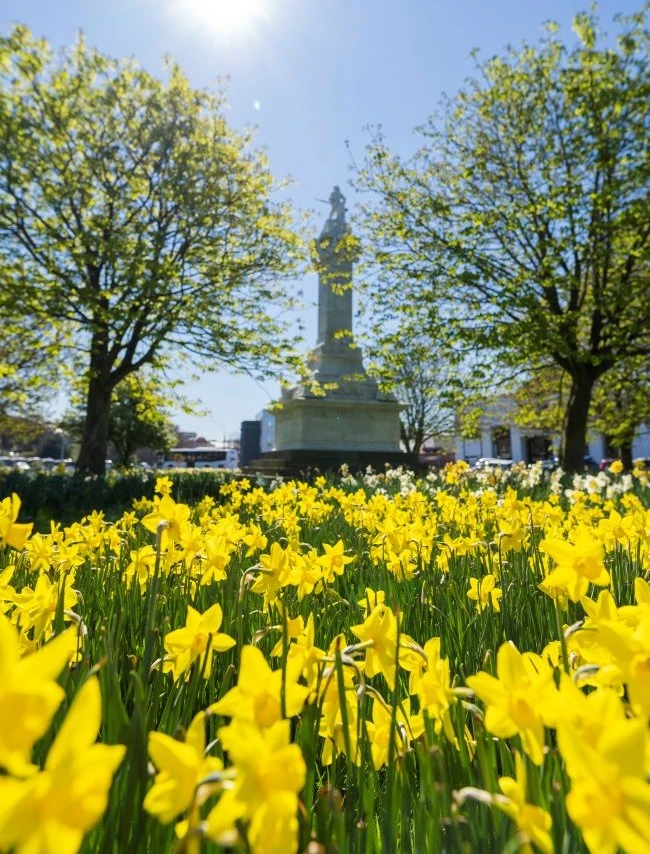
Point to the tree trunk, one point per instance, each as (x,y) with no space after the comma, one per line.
(574,440)
(626,455)
(94,441)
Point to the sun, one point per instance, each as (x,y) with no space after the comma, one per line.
(225,19)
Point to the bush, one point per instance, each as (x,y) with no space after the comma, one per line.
(65,498)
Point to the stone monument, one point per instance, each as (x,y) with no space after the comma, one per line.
(342,412)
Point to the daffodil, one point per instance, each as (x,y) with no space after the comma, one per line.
(199,640)
(339,720)
(141,566)
(50,811)
(29,694)
(630,650)
(255,540)
(7,592)
(609,799)
(404,729)
(432,684)
(301,647)
(181,783)
(215,559)
(371,599)
(163,485)
(175,516)
(519,700)
(36,609)
(577,563)
(274,573)
(259,691)
(378,633)
(533,823)
(334,560)
(270,771)
(484,592)
(13,533)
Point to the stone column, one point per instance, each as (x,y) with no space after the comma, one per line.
(335,356)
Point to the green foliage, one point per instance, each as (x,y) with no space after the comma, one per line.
(136,221)
(622,402)
(138,419)
(139,413)
(418,374)
(521,225)
(64,498)
(27,367)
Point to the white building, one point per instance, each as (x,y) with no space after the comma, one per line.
(499,436)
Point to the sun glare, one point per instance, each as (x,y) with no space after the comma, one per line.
(225,19)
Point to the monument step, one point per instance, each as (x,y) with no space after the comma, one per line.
(296,463)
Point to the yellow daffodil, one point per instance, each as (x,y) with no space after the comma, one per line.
(258,694)
(609,799)
(199,639)
(11,532)
(519,700)
(408,728)
(29,694)
(533,823)
(180,784)
(371,599)
(339,730)
(484,592)
(269,774)
(378,633)
(577,564)
(7,592)
(432,684)
(36,609)
(334,560)
(630,650)
(274,573)
(163,486)
(49,812)
(215,559)
(141,566)
(255,540)
(176,516)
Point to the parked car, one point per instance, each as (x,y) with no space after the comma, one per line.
(171,464)
(13,462)
(605,463)
(492,463)
(551,464)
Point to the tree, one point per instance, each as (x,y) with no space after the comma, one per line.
(135,219)
(622,405)
(27,376)
(525,217)
(138,418)
(422,380)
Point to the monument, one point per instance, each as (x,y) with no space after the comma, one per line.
(341,415)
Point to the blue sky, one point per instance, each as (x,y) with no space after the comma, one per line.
(310,74)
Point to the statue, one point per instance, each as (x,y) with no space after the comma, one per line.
(337,201)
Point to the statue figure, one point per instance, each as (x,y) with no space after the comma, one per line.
(337,201)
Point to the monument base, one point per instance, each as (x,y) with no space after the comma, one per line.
(307,463)
(338,424)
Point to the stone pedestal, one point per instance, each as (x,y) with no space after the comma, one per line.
(338,424)
(347,412)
